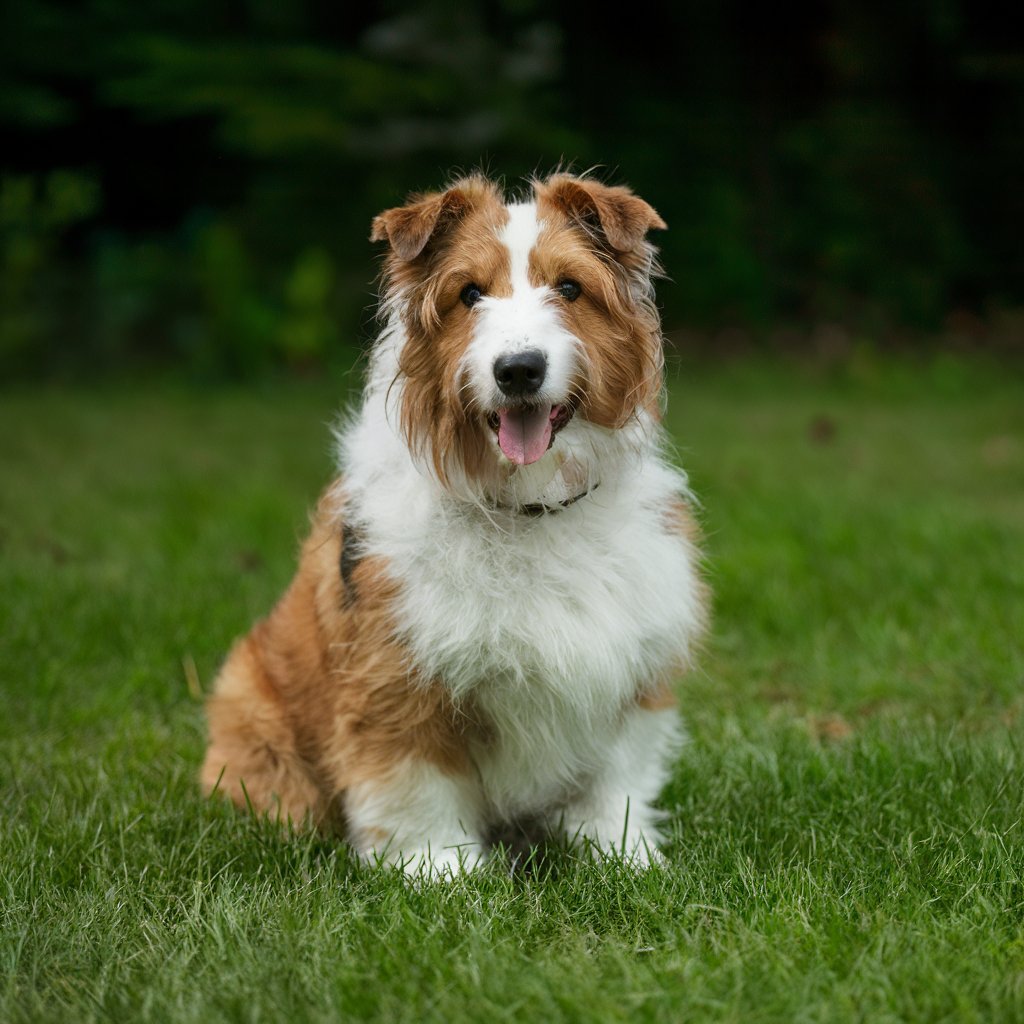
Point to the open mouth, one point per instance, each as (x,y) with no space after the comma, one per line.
(525,433)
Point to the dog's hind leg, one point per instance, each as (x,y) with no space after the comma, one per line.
(252,756)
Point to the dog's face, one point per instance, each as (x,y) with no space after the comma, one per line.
(521,320)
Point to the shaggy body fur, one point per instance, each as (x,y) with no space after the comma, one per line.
(483,630)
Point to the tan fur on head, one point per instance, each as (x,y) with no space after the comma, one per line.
(441,241)
(612,211)
(616,317)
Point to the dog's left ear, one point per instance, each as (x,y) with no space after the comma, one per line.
(622,217)
(409,228)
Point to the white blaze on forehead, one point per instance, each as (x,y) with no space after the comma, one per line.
(519,236)
(528,319)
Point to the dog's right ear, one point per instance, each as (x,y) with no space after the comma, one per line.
(612,212)
(409,228)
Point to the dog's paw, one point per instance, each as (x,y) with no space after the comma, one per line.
(441,864)
(636,850)
(642,855)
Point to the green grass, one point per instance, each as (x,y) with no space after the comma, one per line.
(847,837)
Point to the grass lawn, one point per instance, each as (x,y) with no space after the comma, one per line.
(847,834)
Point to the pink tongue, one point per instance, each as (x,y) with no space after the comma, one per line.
(524,434)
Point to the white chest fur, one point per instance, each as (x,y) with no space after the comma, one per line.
(551,623)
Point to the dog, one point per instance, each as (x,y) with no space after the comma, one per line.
(503,582)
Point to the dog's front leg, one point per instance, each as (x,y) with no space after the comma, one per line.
(615,815)
(418,816)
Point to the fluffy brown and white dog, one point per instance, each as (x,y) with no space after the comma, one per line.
(502,583)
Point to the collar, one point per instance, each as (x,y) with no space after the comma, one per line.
(538,508)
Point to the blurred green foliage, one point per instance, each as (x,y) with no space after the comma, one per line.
(35,213)
(190,184)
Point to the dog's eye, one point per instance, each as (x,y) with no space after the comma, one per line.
(471,294)
(569,290)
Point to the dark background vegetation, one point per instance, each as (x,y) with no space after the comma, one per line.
(188,185)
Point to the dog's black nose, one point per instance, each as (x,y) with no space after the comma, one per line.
(521,373)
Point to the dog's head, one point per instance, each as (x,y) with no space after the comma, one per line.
(522,321)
